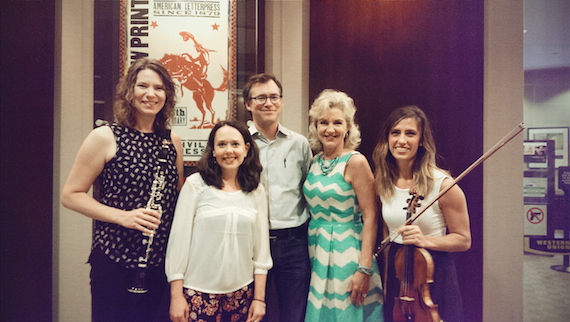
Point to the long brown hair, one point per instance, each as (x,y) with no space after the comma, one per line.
(425,161)
(123,108)
(249,172)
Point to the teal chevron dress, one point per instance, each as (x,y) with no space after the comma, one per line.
(334,247)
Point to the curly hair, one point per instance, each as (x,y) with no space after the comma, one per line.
(249,172)
(326,100)
(123,108)
(425,161)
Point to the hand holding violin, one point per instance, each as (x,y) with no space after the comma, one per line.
(412,235)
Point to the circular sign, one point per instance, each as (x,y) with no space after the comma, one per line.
(535,215)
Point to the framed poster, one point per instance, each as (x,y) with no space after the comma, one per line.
(196,41)
(560,137)
(539,154)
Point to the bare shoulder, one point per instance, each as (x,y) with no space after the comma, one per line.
(448,182)
(454,194)
(358,169)
(101,141)
(358,160)
(176,142)
(102,134)
(175,137)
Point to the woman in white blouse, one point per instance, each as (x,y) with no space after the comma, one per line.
(218,255)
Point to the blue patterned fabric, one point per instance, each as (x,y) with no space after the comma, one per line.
(334,247)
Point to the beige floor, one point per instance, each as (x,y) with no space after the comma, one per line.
(546,291)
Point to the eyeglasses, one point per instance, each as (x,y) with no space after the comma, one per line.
(262,99)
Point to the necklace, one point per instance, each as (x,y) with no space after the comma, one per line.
(327,166)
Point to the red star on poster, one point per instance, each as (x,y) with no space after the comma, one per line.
(215,26)
(153,24)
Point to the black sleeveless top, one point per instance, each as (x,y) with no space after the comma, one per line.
(125,183)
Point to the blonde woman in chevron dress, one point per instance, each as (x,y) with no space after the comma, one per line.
(345,281)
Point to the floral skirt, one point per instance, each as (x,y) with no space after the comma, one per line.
(230,307)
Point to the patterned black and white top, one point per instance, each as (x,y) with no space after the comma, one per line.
(125,183)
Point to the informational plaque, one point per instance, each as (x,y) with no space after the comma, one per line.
(195,40)
(564,179)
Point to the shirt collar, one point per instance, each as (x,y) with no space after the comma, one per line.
(281,131)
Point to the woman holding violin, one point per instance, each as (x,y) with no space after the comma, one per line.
(405,162)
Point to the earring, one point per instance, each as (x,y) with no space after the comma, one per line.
(345,135)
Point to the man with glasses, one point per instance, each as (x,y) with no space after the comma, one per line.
(286,158)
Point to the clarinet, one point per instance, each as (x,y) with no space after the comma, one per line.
(154,202)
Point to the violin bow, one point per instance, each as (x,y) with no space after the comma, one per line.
(514,132)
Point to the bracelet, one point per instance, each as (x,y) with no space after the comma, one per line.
(365,270)
(262,301)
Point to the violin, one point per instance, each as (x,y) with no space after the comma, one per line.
(514,132)
(414,269)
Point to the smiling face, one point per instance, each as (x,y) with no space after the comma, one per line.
(267,113)
(404,140)
(230,148)
(331,130)
(149,94)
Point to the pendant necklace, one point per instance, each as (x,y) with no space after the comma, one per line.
(327,166)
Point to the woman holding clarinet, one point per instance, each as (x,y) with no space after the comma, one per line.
(138,163)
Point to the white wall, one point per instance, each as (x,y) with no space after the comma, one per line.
(73,121)
(503,174)
(287,57)
(554,112)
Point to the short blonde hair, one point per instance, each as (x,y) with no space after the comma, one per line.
(326,100)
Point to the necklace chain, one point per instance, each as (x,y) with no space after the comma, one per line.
(326,168)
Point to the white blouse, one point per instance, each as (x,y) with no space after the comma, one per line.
(219,239)
(431,222)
